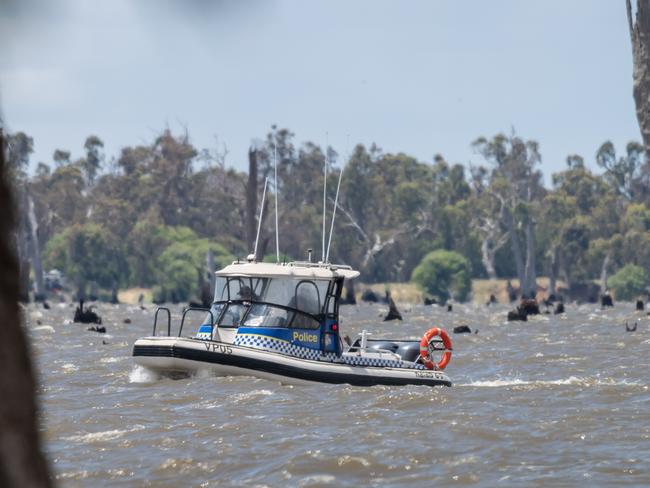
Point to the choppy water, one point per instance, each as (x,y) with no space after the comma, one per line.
(557,401)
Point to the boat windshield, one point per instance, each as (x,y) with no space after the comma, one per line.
(269,302)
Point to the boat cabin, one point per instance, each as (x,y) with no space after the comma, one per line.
(289,306)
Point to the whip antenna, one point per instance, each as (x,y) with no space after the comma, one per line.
(259,222)
(336,200)
(325,192)
(277,240)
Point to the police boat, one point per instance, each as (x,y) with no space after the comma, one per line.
(280,321)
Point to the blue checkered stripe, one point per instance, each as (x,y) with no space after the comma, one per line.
(379,363)
(204,333)
(276,345)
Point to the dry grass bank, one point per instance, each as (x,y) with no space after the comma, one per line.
(481,290)
(131,295)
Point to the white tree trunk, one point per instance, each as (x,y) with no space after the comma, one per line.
(487,258)
(39,289)
(530,272)
(553,272)
(604,273)
(516,250)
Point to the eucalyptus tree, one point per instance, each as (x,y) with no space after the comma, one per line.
(628,175)
(487,219)
(61,157)
(19,147)
(88,253)
(92,163)
(639,27)
(517,184)
(567,222)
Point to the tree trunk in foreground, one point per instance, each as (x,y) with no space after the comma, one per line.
(640,37)
(22,465)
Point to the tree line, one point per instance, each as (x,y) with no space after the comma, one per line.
(151,215)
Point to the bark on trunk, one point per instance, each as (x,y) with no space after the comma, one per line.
(21,462)
(487,258)
(251,200)
(640,37)
(35,248)
(604,273)
(516,250)
(531,272)
(350,296)
(553,273)
(564,273)
(23,281)
(114,290)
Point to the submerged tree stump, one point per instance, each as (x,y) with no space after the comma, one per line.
(606,300)
(86,315)
(393,313)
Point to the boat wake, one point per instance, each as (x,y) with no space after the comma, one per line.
(140,374)
(108,435)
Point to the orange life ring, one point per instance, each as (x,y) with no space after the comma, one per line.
(424,348)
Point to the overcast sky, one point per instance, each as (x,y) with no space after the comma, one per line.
(421,77)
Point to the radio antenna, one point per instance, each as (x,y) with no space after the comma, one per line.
(259,222)
(277,232)
(336,201)
(325,192)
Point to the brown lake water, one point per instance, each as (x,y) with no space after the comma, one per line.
(556,401)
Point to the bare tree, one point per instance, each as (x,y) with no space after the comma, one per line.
(21,462)
(516,184)
(493,240)
(640,37)
(373,244)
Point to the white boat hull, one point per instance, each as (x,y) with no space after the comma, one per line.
(175,355)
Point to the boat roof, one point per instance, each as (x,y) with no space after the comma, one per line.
(288,270)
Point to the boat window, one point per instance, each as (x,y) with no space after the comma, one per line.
(304,321)
(259,287)
(331,304)
(308,298)
(220,290)
(262,315)
(216,309)
(278,291)
(240,289)
(233,315)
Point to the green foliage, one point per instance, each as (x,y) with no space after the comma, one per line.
(629,282)
(444,274)
(87,253)
(637,217)
(179,268)
(155,211)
